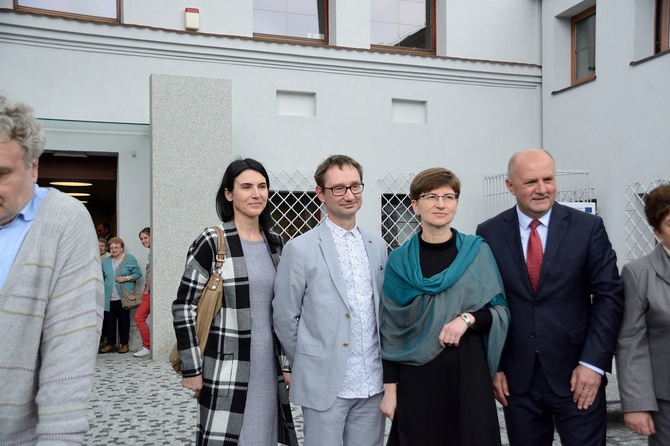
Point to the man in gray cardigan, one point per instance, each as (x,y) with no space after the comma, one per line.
(51,295)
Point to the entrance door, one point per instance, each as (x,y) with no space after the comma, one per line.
(96,175)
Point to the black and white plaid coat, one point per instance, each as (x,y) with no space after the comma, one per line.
(225,366)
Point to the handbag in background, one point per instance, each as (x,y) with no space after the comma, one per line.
(129,299)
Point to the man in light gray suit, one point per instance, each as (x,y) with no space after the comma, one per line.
(326,314)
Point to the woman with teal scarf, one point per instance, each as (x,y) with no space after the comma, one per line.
(444,324)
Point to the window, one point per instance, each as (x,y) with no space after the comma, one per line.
(584,46)
(662,35)
(99,9)
(291,18)
(403,24)
(399,223)
(294,212)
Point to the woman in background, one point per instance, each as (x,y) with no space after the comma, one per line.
(118,270)
(242,393)
(444,325)
(643,353)
(102,246)
(145,307)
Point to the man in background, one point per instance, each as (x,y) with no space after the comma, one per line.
(104,230)
(51,295)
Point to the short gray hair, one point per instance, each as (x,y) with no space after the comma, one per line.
(18,124)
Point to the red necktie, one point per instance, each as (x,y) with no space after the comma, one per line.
(534,255)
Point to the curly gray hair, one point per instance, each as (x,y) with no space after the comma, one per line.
(18,123)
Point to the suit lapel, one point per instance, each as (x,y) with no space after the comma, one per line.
(659,261)
(374,270)
(329,253)
(513,237)
(558,225)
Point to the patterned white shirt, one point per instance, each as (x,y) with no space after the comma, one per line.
(364,376)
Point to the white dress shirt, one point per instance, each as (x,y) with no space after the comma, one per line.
(364,375)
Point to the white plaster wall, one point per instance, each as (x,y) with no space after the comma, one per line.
(349,23)
(216,16)
(478,113)
(492,30)
(615,126)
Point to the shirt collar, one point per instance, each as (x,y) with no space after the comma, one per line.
(29,211)
(339,231)
(524,220)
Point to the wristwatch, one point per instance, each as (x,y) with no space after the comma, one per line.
(467,319)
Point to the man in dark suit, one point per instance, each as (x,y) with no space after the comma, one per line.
(565,312)
(104,230)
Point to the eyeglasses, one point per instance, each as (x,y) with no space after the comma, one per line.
(339,191)
(432,198)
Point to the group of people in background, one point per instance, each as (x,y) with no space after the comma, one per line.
(120,269)
(528,312)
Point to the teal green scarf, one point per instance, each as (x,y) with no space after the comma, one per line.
(403,280)
(416,308)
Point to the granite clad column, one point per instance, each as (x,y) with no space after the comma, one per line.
(191,145)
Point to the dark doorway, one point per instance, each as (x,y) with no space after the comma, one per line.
(100,171)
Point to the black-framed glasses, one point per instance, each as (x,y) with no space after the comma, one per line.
(339,191)
(434,198)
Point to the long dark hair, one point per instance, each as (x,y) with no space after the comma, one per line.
(224,208)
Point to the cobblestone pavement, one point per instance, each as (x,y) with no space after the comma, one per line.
(136,401)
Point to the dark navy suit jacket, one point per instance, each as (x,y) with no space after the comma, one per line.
(575,314)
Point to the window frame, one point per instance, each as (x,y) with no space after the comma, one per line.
(662,27)
(294,39)
(70,15)
(573,46)
(418,51)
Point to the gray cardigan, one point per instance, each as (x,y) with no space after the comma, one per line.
(643,355)
(50,320)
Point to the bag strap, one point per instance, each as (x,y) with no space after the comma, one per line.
(221,249)
(120,269)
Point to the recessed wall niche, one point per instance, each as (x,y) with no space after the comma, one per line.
(409,111)
(296,103)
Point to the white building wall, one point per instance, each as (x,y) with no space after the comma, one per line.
(493,30)
(477,112)
(615,126)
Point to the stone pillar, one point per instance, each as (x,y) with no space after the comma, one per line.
(191,146)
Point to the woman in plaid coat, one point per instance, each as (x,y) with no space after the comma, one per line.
(242,381)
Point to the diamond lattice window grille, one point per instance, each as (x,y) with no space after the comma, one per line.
(295,206)
(640,240)
(571,186)
(398,222)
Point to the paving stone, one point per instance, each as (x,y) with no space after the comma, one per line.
(136,401)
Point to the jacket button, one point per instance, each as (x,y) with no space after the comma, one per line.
(346,344)
(532,334)
(346,315)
